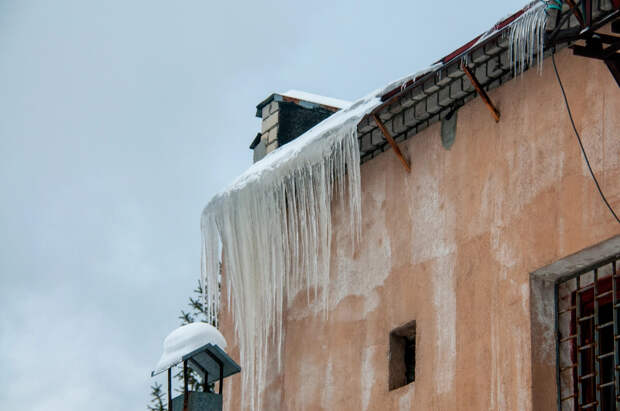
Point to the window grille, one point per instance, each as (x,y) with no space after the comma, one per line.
(587,309)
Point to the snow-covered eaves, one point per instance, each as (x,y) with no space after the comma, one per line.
(412,104)
(274,227)
(304,148)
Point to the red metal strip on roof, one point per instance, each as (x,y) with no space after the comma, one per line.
(395,91)
(459,51)
(297,101)
(498,26)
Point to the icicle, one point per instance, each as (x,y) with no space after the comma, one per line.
(527,34)
(274,226)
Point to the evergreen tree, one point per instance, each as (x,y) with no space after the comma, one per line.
(196,313)
(157,399)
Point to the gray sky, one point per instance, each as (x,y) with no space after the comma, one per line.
(118,121)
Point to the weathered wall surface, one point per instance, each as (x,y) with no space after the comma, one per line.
(451,245)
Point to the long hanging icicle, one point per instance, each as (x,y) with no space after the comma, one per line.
(527,35)
(274,228)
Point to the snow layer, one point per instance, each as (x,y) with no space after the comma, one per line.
(315,98)
(527,34)
(274,226)
(402,82)
(186,339)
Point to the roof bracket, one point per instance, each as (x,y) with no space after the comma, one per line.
(483,94)
(392,143)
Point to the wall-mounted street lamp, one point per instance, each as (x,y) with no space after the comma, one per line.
(198,346)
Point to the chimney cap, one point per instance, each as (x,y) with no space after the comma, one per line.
(304,99)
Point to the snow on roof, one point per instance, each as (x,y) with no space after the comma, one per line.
(304,148)
(315,98)
(406,80)
(186,339)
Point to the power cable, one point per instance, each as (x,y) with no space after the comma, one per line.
(583,151)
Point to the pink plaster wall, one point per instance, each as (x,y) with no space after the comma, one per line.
(451,245)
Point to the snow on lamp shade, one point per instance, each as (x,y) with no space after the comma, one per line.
(186,339)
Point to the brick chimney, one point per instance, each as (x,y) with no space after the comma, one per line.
(288,115)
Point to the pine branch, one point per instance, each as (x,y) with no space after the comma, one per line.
(197,306)
(186,318)
(198,289)
(157,400)
(193,381)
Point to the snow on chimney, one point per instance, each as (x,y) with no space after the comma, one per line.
(286,116)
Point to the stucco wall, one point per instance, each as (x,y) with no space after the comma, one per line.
(451,245)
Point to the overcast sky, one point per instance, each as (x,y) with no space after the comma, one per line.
(118,122)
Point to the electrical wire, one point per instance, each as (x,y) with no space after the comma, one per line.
(583,151)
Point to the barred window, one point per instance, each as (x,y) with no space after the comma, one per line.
(587,306)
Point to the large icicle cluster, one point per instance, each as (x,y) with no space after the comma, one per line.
(527,34)
(274,228)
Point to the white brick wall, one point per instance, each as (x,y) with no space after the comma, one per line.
(269,122)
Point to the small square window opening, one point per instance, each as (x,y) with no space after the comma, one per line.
(402,355)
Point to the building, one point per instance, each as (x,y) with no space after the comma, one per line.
(482,274)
